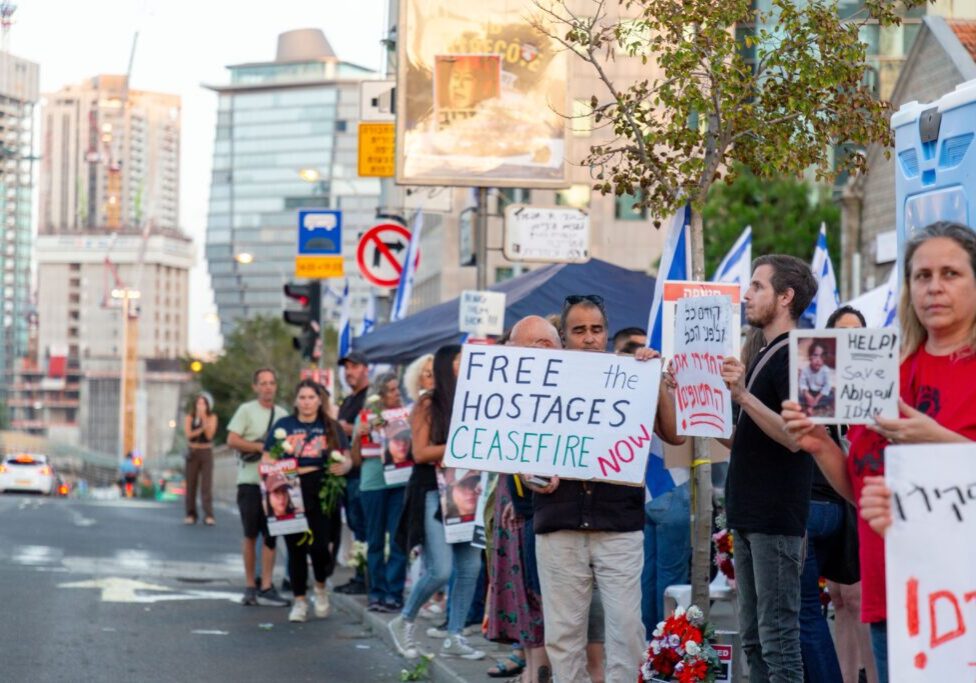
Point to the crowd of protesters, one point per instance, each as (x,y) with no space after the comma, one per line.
(574,573)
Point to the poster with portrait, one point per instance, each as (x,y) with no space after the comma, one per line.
(281,497)
(481,96)
(397,450)
(460,491)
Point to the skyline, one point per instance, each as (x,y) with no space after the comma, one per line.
(104,47)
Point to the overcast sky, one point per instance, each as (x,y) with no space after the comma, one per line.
(184,43)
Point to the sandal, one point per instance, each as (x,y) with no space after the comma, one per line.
(209,521)
(503,670)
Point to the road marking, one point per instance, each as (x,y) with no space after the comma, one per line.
(119,589)
(205,632)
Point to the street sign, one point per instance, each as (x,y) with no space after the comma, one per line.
(376,99)
(552,234)
(319,244)
(381,252)
(377,150)
(481,313)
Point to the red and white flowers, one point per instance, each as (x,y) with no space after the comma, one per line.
(681,650)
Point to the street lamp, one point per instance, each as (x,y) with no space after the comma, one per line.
(244,258)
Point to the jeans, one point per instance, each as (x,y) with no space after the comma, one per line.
(439,558)
(816,645)
(767,571)
(667,551)
(879,643)
(386,574)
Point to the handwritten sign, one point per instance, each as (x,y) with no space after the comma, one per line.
(931,563)
(580,415)
(481,313)
(556,235)
(675,290)
(281,497)
(845,376)
(702,340)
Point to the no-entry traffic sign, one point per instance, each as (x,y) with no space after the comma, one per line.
(381,253)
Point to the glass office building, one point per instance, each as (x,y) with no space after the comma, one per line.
(286,139)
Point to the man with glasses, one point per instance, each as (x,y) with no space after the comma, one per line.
(590,534)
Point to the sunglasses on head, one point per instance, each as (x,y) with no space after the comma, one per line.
(574,299)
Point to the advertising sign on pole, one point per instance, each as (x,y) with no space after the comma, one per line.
(319,244)
(381,252)
(539,411)
(481,313)
(553,234)
(481,96)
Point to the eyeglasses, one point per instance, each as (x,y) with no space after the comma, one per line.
(574,299)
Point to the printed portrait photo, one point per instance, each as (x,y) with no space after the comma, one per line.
(462,82)
(460,496)
(817,360)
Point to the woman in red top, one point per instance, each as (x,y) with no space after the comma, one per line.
(938,392)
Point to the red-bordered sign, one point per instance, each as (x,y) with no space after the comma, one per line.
(381,252)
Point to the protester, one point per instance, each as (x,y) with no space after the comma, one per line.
(591,533)
(430,422)
(937,312)
(356,369)
(383,504)
(768,487)
(418,378)
(629,335)
(200,425)
(314,437)
(246,433)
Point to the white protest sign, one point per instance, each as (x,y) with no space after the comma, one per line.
(557,234)
(481,313)
(675,290)
(930,563)
(702,340)
(845,376)
(580,415)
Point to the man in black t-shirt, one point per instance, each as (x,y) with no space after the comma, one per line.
(768,488)
(356,368)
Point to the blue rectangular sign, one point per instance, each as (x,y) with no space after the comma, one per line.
(320,232)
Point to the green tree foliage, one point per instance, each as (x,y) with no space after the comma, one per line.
(784,220)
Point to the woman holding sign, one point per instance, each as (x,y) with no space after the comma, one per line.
(937,388)
(430,422)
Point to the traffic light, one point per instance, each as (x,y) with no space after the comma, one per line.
(308,317)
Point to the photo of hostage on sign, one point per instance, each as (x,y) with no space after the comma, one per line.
(930,562)
(397,455)
(817,358)
(461,83)
(281,495)
(574,414)
(460,491)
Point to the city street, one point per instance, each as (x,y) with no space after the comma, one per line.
(113,590)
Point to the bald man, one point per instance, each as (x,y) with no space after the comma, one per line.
(536,332)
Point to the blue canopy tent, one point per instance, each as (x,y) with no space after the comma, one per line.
(627,294)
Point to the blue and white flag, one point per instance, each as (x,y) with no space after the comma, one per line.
(890,309)
(405,289)
(345,331)
(827,299)
(675,265)
(879,306)
(369,316)
(736,267)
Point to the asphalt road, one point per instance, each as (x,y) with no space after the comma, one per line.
(120,590)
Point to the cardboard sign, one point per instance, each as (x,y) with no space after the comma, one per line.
(481,313)
(931,563)
(460,490)
(845,376)
(675,290)
(281,497)
(579,415)
(397,453)
(702,340)
(558,234)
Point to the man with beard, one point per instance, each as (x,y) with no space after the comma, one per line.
(768,488)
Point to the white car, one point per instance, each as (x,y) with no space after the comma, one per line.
(25,472)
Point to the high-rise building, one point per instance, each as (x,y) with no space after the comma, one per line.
(18,95)
(110,158)
(286,139)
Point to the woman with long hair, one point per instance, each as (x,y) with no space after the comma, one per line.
(313,436)
(458,562)
(937,391)
(418,378)
(200,425)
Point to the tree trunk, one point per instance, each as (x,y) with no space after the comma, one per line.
(701,467)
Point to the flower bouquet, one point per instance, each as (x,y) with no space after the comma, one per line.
(333,485)
(724,551)
(681,650)
(281,447)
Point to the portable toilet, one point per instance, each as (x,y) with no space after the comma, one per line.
(935,163)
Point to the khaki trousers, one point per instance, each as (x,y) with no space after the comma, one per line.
(570,563)
(199,477)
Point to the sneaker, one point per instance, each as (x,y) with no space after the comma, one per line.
(441,631)
(299,611)
(432,612)
(269,598)
(457,646)
(250,596)
(354,587)
(402,632)
(379,606)
(322,607)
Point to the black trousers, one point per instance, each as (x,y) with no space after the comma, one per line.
(326,534)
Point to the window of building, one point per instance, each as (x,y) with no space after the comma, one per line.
(623,209)
(577,196)
(581,124)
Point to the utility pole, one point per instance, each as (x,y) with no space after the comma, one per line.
(481,240)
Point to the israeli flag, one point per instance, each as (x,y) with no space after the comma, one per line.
(736,267)
(369,316)
(879,306)
(675,265)
(891,298)
(827,299)
(405,289)
(345,332)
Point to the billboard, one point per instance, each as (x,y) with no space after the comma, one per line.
(482,97)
